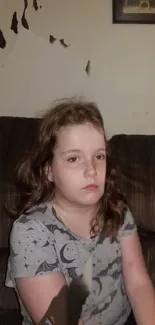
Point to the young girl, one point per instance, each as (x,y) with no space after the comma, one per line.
(70,210)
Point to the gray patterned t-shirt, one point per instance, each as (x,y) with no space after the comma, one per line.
(42,244)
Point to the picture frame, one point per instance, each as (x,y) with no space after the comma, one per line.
(133,11)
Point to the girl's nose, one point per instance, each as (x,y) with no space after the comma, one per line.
(90,169)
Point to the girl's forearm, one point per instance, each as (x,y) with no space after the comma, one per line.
(143,303)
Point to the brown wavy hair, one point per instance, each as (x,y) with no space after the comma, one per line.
(33,185)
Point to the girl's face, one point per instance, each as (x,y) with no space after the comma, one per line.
(79,165)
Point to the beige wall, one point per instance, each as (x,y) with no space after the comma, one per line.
(34,72)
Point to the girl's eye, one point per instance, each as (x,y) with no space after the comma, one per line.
(100,157)
(73,159)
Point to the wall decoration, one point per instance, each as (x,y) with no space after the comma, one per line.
(63,43)
(2,40)
(35,5)
(24,20)
(14,24)
(87,69)
(52,39)
(134,11)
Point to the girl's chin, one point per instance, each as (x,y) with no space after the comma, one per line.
(90,202)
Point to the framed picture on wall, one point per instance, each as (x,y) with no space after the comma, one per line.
(134,11)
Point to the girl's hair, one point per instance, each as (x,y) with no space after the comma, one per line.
(32,183)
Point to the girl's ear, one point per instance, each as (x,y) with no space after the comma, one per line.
(49,174)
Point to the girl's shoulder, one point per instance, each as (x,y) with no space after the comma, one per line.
(32,244)
(40,212)
(40,217)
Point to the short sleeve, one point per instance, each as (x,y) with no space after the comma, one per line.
(129,225)
(32,250)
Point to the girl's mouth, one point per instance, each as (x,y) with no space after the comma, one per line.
(91,187)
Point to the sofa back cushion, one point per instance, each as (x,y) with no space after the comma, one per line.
(135,157)
(17,135)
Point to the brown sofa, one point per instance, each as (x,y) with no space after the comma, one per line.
(133,154)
